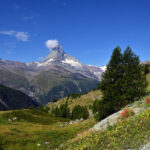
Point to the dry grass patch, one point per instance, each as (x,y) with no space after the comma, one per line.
(84,100)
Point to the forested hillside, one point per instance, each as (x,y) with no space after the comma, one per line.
(14,99)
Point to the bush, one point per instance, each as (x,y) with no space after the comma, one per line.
(147,100)
(126,113)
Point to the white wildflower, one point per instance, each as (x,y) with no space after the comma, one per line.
(38,144)
(46,143)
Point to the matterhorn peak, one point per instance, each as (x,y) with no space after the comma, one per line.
(56,51)
(58,57)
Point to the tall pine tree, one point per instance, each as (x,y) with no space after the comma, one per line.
(134,79)
(111,83)
(123,82)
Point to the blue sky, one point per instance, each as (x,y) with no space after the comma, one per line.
(87,29)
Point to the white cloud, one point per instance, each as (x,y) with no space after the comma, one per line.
(50,44)
(22,36)
(11,32)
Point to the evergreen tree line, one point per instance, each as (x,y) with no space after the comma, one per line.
(40,108)
(123,82)
(78,112)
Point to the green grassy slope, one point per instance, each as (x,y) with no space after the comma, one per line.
(36,130)
(128,133)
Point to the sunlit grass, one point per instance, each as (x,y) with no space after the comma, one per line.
(24,134)
(127,134)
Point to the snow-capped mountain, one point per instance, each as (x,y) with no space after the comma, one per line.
(58,57)
(57,76)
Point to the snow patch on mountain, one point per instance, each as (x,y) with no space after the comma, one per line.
(45,63)
(103,68)
(96,70)
(72,62)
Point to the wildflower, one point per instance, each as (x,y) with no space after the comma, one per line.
(9,120)
(15,118)
(38,144)
(46,143)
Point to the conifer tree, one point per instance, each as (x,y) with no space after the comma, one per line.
(123,82)
(134,79)
(111,83)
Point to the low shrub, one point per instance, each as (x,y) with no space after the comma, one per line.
(147,100)
(126,113)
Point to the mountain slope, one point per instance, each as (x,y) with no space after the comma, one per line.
(54,85)
(14,99)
